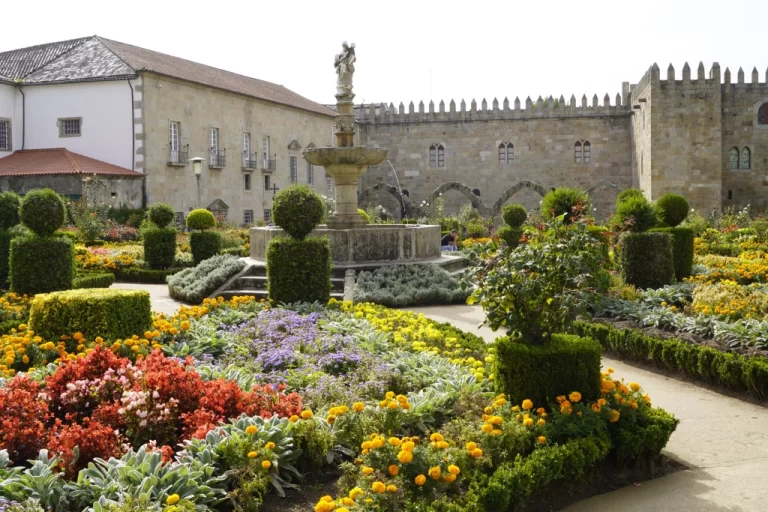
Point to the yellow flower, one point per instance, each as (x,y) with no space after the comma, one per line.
(527,405)
(358,406)
(540,423)
(367,470)
(392,488)
(354,493)
(436,437)
(442,445)
(528,422)
(471,446)
(394,441)
(634,386)
(306,414)
(420,480)
(266,464)
(251,429)
(393,470)
(454,469)
(542,440)
(477,452)
(293,419)
(172,499)
(378,487)
(575,396)
(408,446)
(390,394)
(434,472)
(487,428)
(270,446)
(614,416)
(405,457)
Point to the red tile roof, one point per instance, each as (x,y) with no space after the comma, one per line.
(31,162)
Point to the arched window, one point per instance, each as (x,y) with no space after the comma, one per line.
(734,158)
(746,159)
(587,152)
(577,152)
(762,114)
(436,155)
(440,156)
(506,153)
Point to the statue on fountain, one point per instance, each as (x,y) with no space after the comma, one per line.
(345,68)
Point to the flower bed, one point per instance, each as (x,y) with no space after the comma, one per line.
(409,285)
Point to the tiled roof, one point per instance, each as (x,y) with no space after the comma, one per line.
(96,58)
(30,162)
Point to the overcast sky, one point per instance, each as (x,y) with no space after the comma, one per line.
(421,50)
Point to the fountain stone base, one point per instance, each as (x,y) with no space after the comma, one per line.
(371,243)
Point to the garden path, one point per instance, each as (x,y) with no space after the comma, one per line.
(158,294)
(723,440)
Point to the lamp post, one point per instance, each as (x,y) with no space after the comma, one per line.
(197,167)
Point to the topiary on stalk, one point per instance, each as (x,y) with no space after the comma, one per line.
(9,210)
(636,214)
(569,202)
(162,214)
(160,242)
(297,210)
(201,219)
(514,215)
(673,209)
(42,211)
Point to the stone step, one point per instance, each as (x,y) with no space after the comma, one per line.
(251,282)
(261,270)
(262,294)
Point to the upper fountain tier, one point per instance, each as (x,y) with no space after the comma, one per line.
(363,156)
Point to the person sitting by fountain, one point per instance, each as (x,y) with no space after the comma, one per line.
(448,242)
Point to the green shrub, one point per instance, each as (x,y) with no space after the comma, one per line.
(160,247)
(682,250)
(510,235)
(646,260)
(409,285)
(200,219)
(95,280)
(364,215)
(297,209)
(10,202)
(514,215)
(5,255)
(475,230)
(161,215)
(192,285)
(628,193)
(111,314)
(602,235)
(41,265)
(570,202)
(543,372)
(673,209)
(144,275)
(204,245)
(645,438)
(299,270)
(42,211)
(636,214)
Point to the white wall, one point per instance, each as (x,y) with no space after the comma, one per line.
(10,108)
(107,119)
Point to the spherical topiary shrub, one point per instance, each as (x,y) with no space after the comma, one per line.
(9,210)
(628,193)
(565,201)
(297,210)
(514,215)
(200,219)
(673,209)
(636,214)
(42,211)
(161,214)
(510,235)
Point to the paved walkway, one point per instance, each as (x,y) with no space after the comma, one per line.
(158,294)
(723,440)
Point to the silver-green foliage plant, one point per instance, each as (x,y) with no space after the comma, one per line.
(194,284)
(42,482)
(409,285)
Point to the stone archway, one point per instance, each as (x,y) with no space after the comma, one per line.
(511,191)
(477,203)
(406,207)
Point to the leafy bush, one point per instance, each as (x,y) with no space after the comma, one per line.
(200,219)
(364,215)
(628,193)
(682,250)
(673,209)
(645,438)
(299,270)
(127,215)
(543,372)
(646,259)
(144,275)
(5,255)
(111,314)
(409,285)
(194,284)
(636,214)
(9,210)
(514,215)
(297,209)
(161,214)
(160,247)
(565,201)
(510,235)
(95,280)
(475,230)
(204,245)
(41,265)
(42,211)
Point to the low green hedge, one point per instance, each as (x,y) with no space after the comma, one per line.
(5,256)
(542,372)
(195,284)
(682,250)
(644,439)
(204,245)
(95,280)
(144,275)
(111,314)
(299,270)
(646,260)
(159,248)
(41,264)
(740,373)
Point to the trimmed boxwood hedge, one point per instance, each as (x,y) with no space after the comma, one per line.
(94,280)
(740,373)
(143,275)
(646,260)
(160,248)
(111,314)
(682,250)
(299,270)
(5,255)
(542,372)
(41,264)
(204,245)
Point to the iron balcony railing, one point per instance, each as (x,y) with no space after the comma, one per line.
(250,161)
(179,156)
(218,158)
(268,164)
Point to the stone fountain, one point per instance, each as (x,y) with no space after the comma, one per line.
(353,242)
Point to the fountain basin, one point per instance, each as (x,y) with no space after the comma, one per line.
(353,156)
(372,243)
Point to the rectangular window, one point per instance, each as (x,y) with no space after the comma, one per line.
(70,127)
(248,217)
(310,174)
(214,142)
(433,156)
(440,156)
(267,182)
(265,149)
(174,142)
(5,135)
(267,215)
(328,184)
(179,219)
(247,181)
(246,149)
(587,152)
(294,169)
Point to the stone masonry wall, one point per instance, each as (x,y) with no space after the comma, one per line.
(642,127)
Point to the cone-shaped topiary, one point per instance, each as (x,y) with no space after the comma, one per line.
(628,193)
(200,219)
(566,201)
(514,215)
(9,210)
(297,209)
(42,211)
(161,215)
(673,209)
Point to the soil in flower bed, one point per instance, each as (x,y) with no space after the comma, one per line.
(303,499)
(605,478)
